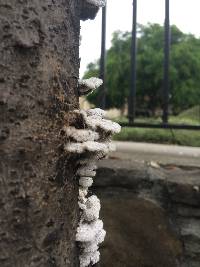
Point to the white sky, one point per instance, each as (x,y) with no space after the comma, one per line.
(185,14)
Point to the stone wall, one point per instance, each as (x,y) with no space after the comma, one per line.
(151,214)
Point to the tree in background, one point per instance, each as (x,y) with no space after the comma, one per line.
(184,69)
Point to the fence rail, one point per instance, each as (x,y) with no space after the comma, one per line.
(132,94)
(161,126)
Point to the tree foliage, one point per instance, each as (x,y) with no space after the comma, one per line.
(184,69)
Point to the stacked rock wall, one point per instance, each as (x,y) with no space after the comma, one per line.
(161,213)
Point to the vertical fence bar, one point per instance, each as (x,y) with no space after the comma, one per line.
(102,73)
(132,94)
(166,64)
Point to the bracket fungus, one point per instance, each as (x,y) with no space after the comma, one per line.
(98,3)
(90,143)
(89,8)
(87,86)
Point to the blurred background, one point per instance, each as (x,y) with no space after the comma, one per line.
(169,95)
(150,193)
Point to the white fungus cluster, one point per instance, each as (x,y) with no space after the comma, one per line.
(87,86)
(97,3)
(90,144)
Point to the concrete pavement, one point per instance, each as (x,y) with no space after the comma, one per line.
(164,154)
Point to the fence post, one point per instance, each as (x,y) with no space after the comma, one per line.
(166,64)
(102,73)
(132,95)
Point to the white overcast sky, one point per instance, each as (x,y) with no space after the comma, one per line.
(183,13)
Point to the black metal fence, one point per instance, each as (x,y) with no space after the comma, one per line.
(132,94)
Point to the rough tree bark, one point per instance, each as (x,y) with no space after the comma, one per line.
(39,63)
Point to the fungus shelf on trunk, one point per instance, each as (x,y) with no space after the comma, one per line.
(89,8)
(90,143)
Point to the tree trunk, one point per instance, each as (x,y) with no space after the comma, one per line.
(39,63)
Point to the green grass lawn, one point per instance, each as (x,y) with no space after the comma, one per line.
(164,136)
